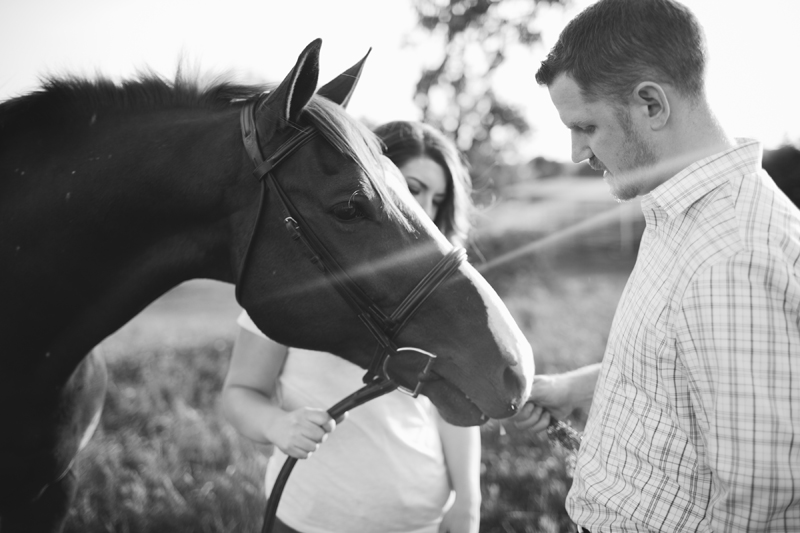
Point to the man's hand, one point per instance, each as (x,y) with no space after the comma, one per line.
(557,396)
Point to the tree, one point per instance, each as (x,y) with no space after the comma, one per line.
(456,93)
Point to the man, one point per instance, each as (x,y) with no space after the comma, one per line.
(695,423)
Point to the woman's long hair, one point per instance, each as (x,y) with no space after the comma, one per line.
(404,141)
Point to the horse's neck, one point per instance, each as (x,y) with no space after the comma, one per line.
(107,226)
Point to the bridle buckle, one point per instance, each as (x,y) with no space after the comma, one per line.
(425,370)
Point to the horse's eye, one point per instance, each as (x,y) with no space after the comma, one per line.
(348,212)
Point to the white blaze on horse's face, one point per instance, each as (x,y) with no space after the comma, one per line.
(504,329)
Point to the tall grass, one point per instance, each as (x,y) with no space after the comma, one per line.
(164,460)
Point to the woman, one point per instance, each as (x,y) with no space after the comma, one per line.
(395,464)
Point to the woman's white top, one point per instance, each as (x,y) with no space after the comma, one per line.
(381,470)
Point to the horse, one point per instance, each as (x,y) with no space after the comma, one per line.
(111,193)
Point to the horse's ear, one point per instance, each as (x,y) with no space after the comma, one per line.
(341,88)
(297,88)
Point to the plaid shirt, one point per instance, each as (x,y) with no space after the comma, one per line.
(695,424)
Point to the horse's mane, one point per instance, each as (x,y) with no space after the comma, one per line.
(351,138)
(60,98)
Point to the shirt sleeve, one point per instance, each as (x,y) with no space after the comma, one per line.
(738,335)
(245,322)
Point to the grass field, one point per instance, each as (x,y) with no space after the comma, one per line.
(164,459)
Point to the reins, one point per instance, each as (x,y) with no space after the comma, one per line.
(384,328)
(366,393)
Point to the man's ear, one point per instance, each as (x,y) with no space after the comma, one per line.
(651,98)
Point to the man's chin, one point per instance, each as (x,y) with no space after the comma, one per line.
(622,189)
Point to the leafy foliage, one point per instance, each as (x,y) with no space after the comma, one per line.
(456,94)
(524,482)
(163,458)
(783,164)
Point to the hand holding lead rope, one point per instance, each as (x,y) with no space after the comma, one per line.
(536,418)
(564,434)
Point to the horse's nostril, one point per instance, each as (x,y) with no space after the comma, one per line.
(513,381)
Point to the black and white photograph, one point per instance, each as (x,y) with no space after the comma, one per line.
(399,266)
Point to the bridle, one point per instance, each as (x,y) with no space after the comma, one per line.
(384,328)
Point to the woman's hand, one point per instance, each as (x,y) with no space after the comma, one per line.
(462,517)
(299,433)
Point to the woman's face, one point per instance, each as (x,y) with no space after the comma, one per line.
(427,182)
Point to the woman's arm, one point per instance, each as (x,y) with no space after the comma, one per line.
(251,405)
(462,454)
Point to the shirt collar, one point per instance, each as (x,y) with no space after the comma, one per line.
(678,193)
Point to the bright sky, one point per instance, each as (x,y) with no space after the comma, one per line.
(753,77)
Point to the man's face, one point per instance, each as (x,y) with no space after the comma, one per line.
(604,134)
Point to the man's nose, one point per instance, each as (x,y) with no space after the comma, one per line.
(580,150)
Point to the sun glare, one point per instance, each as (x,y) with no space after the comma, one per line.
(751,45)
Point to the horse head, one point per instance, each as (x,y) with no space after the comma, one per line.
(355,205)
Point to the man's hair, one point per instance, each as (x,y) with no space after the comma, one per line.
(614,45)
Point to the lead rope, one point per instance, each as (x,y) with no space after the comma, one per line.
(368,392)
